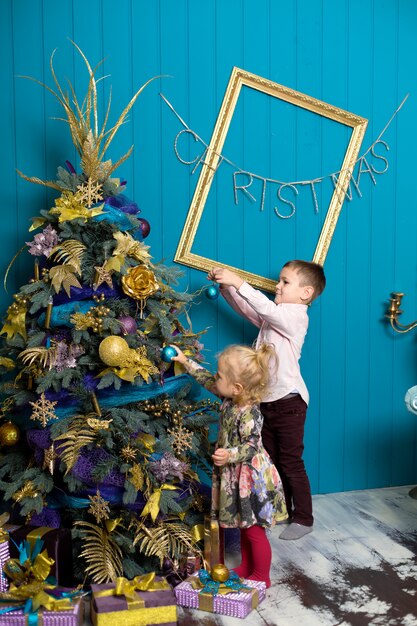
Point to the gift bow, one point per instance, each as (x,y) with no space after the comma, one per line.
(33,564)
(208,585)
(128,588)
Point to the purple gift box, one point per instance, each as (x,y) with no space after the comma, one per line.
(235,604)
(147,609)
(4,556)
(68,617)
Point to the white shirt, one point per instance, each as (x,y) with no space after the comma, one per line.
(284,326)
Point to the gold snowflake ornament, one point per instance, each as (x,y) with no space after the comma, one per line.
(99,507)
(90,192)
(181,438)
(43,410)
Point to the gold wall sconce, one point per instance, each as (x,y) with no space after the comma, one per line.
(394,312)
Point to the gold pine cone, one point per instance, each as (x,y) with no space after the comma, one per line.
(139,282)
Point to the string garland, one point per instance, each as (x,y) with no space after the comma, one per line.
(364,167)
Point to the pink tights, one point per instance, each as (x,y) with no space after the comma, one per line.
(256,554)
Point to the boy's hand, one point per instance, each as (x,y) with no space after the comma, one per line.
(220,457)
(181,358)
(225,277)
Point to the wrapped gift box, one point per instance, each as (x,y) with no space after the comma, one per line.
(4,554)
(148,608)
(213,542)
(235,604)
(68,617)
(57,542)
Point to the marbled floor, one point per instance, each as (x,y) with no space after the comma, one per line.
(358,567)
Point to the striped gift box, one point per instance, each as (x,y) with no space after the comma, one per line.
(236,604)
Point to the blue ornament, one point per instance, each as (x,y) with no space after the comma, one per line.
(167,353)
(212,292)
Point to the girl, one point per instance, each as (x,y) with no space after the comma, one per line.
(247,490)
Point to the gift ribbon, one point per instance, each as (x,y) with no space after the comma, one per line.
(208,588)
(33,599)
(152,505)
(128,588)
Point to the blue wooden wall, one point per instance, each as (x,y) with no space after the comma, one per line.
(359,55)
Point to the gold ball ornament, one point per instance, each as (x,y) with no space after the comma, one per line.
(219,573)
(9,434)
(114,351)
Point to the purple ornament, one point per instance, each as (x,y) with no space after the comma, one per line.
(128,325)
(145,227)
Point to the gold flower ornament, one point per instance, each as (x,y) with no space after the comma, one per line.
(139,283)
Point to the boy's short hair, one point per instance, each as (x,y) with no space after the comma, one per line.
(312,275)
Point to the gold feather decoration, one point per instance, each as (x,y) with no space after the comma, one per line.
(167,539)
(102,554)
(73,440)
(82,118)
(40,356)
(71,252)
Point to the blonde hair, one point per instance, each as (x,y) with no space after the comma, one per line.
(250,368)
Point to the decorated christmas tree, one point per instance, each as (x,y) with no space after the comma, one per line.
(100,433)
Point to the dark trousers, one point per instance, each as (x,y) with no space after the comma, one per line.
(282,436)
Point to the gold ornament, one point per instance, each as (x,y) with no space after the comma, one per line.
(137,477)
(220,573)
(139,283)
(43,410)
(99,507)
(27,491)
(181,438)
(114,350)
(9,434)
(70,207)
(90,192)
(128,453)
(139,362)
(101,276)
(49,458)
(16,317)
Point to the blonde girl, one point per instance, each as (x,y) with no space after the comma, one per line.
(246,490)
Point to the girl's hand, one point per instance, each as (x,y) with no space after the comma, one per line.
(181,358)
(220,457)
(225,277)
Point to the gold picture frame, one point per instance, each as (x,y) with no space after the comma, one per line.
(238,79)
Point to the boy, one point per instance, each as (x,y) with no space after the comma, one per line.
(282,323)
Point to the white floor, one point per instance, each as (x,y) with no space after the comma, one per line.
(358,567)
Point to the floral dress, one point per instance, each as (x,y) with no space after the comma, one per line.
(248,489)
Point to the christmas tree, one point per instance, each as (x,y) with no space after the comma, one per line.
(100,433)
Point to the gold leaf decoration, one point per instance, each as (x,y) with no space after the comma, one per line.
(76,437)
(168,539)
(63,276)
(71,252)
(40,356)
(128,246)
(90,142)
(102,554)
